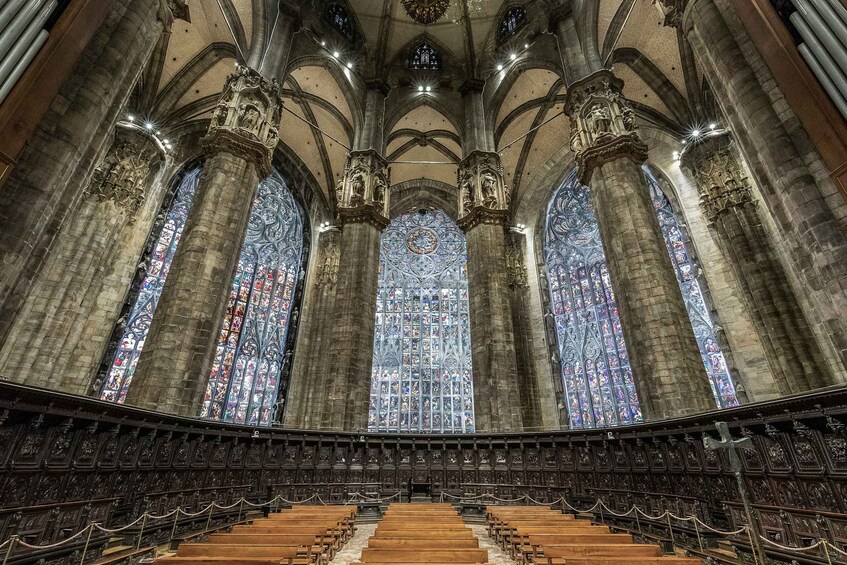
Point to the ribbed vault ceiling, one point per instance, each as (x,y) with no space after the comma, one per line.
(191,64)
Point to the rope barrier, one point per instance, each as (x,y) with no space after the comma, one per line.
(58,543)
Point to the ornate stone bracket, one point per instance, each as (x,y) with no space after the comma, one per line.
(246,120)
(672,10)
(720,179)
(362,194)
(482,191)
(123,174)
(602,123)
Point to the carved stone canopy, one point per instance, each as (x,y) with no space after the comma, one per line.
(481,184)
(362,194)
(246,120)
(125,171)
(722,182)
(602,123)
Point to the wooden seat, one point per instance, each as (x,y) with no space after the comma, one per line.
(400,543)
(373,555)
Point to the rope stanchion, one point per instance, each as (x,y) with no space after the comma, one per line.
(240,508)
(637,521)
(697,531)
(209,519)
(122,528)
(141,533)
(58,543)
(752,546)
(826,553)
(173,529)
(670,525)
(12,541)
(87,543)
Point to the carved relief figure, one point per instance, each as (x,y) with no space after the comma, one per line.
(600,122)
(248,117)
(489,189)
(357,196)
(467,193)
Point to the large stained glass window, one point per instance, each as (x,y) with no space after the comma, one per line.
(598,380)
(244,381)
(422,349)
(513,20)
(425,57)
(599,386)
(245,374)
(701,320)
(131,343)
(337,15)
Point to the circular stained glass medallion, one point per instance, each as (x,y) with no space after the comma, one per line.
(422,241)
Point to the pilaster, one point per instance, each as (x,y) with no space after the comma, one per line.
(174,367)
(669,373)
(727,201)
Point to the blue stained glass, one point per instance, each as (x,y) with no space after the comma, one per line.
(425,57)
(512,21)
(701,320)
(598,381)
(595,367)
(120,373)
(337,15)
(244,380)
(422,377)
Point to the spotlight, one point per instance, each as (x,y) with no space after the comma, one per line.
(712,126)
(513,56)
(429,89)
(526,45)
(149,126)
(323,43)
(166,142)
(336,54)
(131,118)
(696,133)
(499,67)
(420,88)
(349,65)
(158,133)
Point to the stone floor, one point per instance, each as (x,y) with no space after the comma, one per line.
(352,550)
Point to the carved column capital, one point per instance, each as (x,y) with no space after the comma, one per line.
(483,195)
(246,120)
(672,10)
(122,176)
(720,179)
(602,123)
(362,194)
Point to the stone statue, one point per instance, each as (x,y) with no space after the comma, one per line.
(357,197)
(249,117)
(600,121)
(489,189)
(219,117)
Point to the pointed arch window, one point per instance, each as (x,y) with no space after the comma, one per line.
(596,372)
(425,57)
(513,20)
(337,15)
(701,320)
(421,377)
(244,381)
(120,373)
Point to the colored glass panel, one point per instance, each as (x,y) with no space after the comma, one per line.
(422,379)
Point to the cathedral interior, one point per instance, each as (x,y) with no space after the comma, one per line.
(562,268)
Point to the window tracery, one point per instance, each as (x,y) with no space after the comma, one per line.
(513,20)
(422,378)
(337,15)
(596,372)
(425,57)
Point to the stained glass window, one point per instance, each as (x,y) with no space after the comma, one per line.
(422,348)
(425,57)
(129,348)
(513,20)
(701,320)
(337,15)
(598,381)
(244,381)
(245,374)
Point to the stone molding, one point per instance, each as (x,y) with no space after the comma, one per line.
(673,11)
(481,184)
(602,123)
(365,214)
(122,174)
(484,216)
(364,184)
(719,177)
(246,120)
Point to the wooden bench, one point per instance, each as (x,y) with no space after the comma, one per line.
(373,555)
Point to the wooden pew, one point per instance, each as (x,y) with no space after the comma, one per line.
(372,555)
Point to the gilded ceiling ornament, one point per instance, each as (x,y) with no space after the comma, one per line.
(426,11)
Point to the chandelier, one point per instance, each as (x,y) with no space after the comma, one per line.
(425,11)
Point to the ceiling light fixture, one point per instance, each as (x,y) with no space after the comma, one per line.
(712,126)
(336,54)
(696,133)
(131,118)
(149,126)
(349,65)
(420,88)
(426,11)
(429,89)
(513,56)
(499,67)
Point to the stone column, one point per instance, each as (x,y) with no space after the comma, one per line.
(174,367)
(668,369)
(43,192)
(362,214)
(484,217)
(66,320)
(794,184)
(726,199)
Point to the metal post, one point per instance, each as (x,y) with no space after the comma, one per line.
(209,519)
(697,531)
(240,508)
(602,519)
(637,519)
(141,533)
(173,529)
(12,541)
(670,525)
(87,541)
(826,552)
(752,545)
